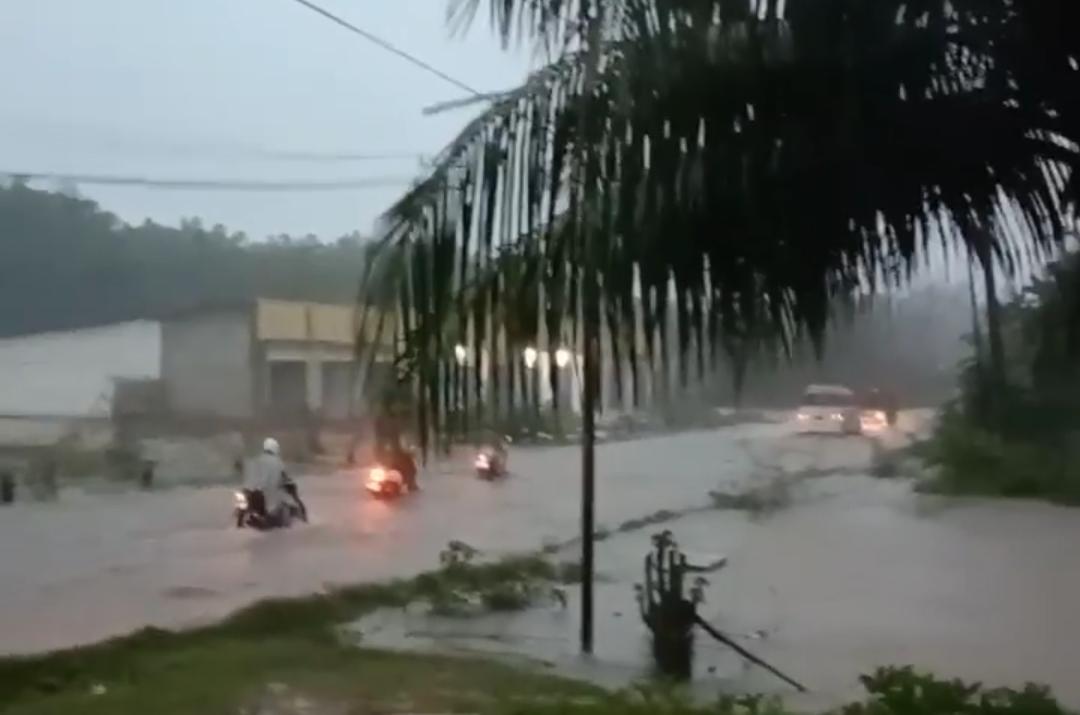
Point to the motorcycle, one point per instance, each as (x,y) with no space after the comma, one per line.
(490,464)
(385,483)
(249,510)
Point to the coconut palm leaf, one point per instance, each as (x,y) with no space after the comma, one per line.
(737,171)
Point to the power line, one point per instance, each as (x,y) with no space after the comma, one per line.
(334,157)
(211,184)
(387,46)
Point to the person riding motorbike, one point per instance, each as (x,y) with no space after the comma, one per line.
(270,486)
(393,455)
(402,460)
(493,451)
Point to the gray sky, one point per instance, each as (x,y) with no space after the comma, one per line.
(208,88)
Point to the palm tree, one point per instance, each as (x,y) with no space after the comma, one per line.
(687,174)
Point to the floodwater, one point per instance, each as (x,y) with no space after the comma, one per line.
(855,573)
(93,565)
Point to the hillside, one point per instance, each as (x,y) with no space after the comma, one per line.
(66,263)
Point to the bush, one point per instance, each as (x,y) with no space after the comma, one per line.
(902,691)
(973,460)
(892,691)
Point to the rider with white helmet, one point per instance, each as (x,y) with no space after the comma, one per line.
(267,476)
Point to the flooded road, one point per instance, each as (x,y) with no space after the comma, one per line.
(94,565)
(854,573)
(857,573)
(871,575)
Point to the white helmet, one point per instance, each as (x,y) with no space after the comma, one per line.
(271,446)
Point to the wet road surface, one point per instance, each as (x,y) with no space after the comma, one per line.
(854,573)
(94,565)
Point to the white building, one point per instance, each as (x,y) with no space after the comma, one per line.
(73,373)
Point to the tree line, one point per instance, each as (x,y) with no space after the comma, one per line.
(67,263)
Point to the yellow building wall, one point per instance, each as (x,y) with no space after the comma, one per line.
(316,322)
(280,320)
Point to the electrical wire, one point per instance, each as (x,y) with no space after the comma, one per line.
(374,39)
(335,157)
(211,184)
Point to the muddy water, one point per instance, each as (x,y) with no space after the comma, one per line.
(95,565)
(855,573)
(873,575)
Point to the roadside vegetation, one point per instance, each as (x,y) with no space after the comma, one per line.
(287,656)
(1014,428)
(890,691)
(293,641)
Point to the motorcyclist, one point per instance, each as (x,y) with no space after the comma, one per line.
(402,460)
(495,450)
(294,493)
(267,480)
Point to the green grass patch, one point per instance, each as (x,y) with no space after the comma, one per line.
(222,673)
(214,666)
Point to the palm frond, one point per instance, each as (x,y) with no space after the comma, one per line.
(738,172)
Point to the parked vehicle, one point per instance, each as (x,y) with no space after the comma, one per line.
(829,408)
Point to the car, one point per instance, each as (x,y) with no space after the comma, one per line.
(829,408)
(879,410)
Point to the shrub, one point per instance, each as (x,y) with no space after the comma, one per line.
(973,460)
(902,691)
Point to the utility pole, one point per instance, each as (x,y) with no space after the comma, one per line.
(591,335)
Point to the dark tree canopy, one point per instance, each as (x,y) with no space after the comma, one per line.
(65,263)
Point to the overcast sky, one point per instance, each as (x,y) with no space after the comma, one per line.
(213,88)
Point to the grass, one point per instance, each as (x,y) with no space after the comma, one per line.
(228,674)
(760,501)
(293,641)
(285,656)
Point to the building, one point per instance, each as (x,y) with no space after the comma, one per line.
(62,384)
(235,362)
(73,373)
(265,358)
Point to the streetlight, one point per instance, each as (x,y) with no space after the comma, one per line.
(531,355)
(562,357)
(460,353)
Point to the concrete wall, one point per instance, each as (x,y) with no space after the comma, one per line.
(207,364)
(190,460)
(80,432)
(72,373)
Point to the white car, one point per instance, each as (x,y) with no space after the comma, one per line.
(829,408)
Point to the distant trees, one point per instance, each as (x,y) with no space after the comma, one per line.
(66,263)
(1030,444)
